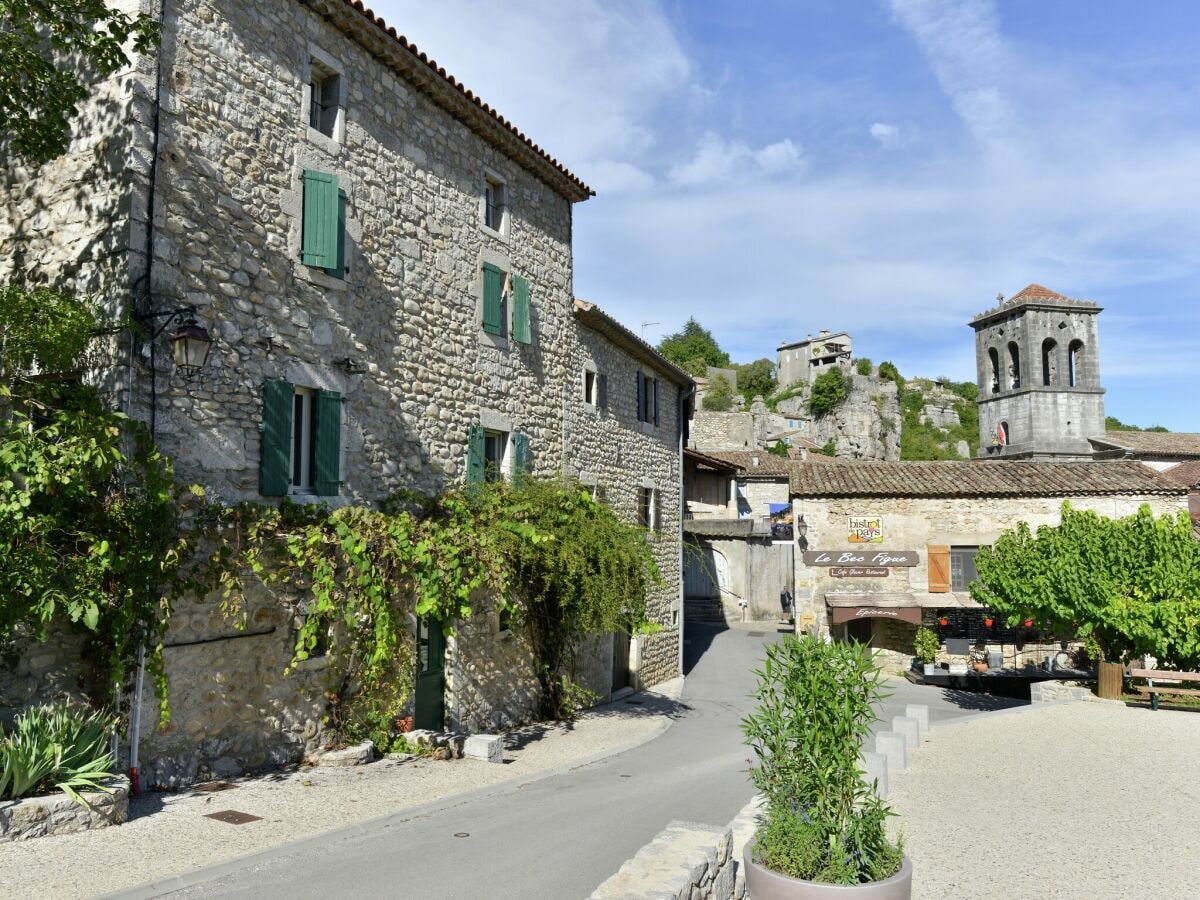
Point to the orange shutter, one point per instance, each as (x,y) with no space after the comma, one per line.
(939,569)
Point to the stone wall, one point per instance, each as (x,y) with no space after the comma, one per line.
(754,569)
(33,817)
(755,496)
(915,523)
(722,430)
(491,675)
(609,450)
(685,861)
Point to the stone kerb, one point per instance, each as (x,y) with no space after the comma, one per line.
(685,861)
(32,817)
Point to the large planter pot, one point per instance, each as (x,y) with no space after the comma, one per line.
(1111,677)
(763,884)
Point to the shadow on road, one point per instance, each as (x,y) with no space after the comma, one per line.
(638,706)
(977,701)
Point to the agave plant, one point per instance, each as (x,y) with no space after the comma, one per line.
(59,747)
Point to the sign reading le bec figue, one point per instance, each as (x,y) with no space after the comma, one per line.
(861,558)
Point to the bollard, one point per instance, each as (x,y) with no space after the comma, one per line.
(920,712)
(910,729)
(892,746)
(875,769)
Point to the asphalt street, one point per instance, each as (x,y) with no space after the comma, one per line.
(561,836)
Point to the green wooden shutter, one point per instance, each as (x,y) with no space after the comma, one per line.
(338,270)
(493,286)
(602,391)
(320,234)
(655,402)
(475,439)
(521,328)
(641,396)
(522,459)
(327,451)
(275,430)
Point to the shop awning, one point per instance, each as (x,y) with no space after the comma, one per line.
(847,606)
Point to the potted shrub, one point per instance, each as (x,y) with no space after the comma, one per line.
(825,831)
(926,645)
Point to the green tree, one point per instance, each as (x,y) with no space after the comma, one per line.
(719,396)
(1112,423)
(829,391)
(756,379)
(889,371)
(863,366)
(691,345)
(1132,584)
(49,51)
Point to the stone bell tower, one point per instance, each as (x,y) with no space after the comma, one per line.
(1037,356)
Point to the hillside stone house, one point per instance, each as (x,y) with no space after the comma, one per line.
(384,266)
(887,547)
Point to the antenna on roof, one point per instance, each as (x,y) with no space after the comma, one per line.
(1000,297)
(646,325)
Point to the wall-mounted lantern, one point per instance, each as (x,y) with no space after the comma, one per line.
(190,342)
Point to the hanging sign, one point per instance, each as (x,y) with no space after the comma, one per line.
(911,614)
(865,530)
(861,557)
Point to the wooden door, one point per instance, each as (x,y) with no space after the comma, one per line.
(430,704)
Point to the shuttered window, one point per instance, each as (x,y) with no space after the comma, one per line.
(522,461)
(327,448)
(655,395)
(493,299)
(301,441)
(602,391)
(938,558)
(322,212)
(522,330)
(275,438)
(475,459)
(641,396)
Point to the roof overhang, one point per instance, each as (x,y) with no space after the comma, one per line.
(601,322)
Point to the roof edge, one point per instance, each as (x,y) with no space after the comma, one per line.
(598,320)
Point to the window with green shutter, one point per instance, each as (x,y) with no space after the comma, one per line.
(493,299)
(323,211)
(521,326)
(276,434)
(522,461)
(327,447)
(475,458)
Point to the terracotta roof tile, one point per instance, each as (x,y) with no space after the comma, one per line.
(582,190)
(978,479)
(1036,292)
(1187,474)
(1155,443)
(768,463)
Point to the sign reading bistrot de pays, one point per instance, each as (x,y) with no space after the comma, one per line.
(861,557)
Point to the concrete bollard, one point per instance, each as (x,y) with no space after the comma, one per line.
(920,712)
(875,769)
(487,747)
(892,746)
(910,729)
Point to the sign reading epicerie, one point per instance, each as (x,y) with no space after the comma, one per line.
(861,558)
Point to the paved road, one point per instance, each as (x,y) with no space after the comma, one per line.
(561,836)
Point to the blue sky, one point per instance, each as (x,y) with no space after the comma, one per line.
(774,167)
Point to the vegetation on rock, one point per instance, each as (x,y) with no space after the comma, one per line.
(829,391)
(693,349)
(719,396)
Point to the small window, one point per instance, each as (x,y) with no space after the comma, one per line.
(962,567)
(648,508)
(304,433)
(589,388)
(325,99)
(495,452)
(495,204)
(647,398)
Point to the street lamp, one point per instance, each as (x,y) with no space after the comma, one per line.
(190,341)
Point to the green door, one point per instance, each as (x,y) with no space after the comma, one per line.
(431,676)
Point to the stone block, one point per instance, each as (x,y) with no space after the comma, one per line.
(892,746)
(910,729)
(875,769)
(357,755)
(488,747)
(920,712)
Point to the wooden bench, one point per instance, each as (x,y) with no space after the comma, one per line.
(1163,675)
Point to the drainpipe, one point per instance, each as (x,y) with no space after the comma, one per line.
(684,396)
(135,716)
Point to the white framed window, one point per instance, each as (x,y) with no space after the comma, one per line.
(302,473)
(648,508)
(325,96)
(589,388)
(495,455)
(495,204)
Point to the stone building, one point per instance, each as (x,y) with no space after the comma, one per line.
(889,546)
(802,361)
(384,266)
(1037,357)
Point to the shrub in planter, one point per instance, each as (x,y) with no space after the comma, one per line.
(824,823)
(56,748)
(926,644)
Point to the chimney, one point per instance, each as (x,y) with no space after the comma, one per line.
(754,461)
(793,452)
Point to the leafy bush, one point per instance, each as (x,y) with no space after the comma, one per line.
(889,371)
(926,644)
(830,448)
(756,379)
(61,747)
(863,366)
(719,396)
(815,706)
(829,391)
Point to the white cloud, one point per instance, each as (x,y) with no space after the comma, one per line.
(719,161)
(887,135)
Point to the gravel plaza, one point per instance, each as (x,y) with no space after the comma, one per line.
(1066,800)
